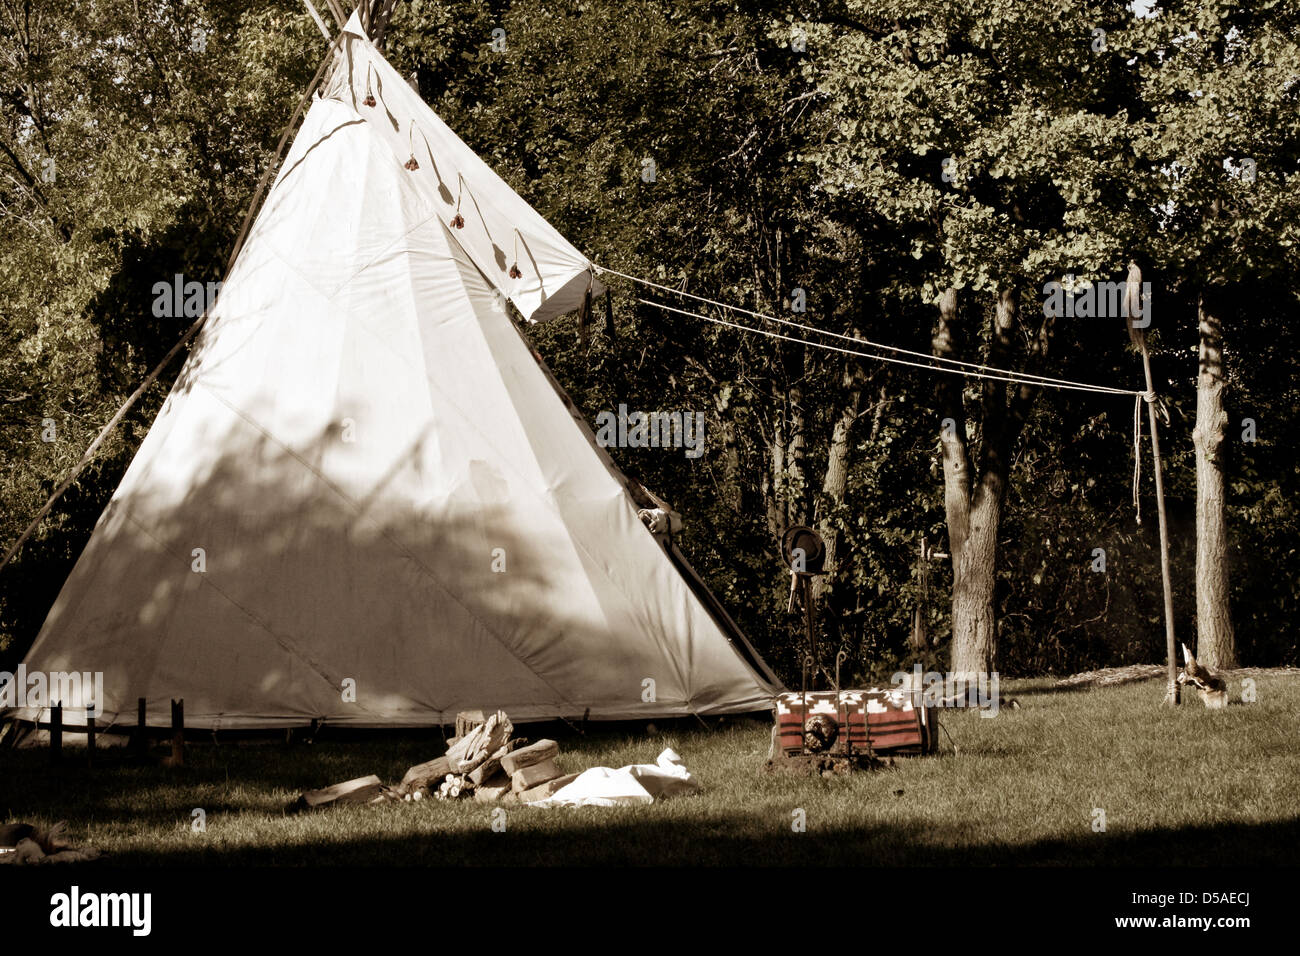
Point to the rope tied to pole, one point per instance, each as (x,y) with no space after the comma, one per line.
(1137,452)
(1153,399)
(927,360)
(931,363)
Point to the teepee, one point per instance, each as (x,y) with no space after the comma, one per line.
(365,501)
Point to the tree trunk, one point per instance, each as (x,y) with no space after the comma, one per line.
(732,490)
(974,616)
(796,484)
(973,561)
(952,429)
(1216,644)
(973,497)
(776,509)
(878,413)
(834,484)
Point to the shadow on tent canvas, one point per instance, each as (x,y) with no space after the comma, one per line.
(266,575)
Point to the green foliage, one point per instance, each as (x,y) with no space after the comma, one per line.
(131,141)
(790,149)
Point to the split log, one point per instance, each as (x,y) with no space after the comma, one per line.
(494,790)
(533,775)
(360,790)
(422,775)
(527,756)
(488,768)
(480,743)
(547,789)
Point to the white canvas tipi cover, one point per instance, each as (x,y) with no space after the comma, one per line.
(364,501)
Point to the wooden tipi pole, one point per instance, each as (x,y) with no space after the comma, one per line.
(1171,646)
(1137,334)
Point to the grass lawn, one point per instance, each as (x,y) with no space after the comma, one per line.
(1186,786)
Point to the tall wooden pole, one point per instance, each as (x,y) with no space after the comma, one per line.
(810,625)
(1137,304)
(1171,646)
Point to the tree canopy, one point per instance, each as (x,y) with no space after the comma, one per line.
(909,173)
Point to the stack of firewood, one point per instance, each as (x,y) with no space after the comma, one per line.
(484,761)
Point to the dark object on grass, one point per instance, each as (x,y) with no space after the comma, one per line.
(825,765)
(11,834)
(22,844)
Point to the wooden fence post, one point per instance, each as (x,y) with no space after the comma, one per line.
(141,743)
(90,736)
(56,733)
(178,733)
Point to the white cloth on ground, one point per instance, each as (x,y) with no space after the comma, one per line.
(639,783)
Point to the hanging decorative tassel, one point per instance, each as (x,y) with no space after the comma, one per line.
(411,164)
(609,313)
(370,97)
(458,221)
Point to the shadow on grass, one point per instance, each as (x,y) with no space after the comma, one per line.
(676,834)
(731,841)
